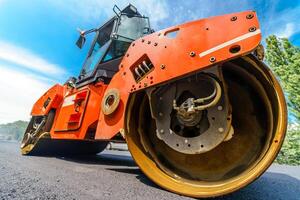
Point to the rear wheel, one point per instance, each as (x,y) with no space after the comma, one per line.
(193,159)
(37,129)
(37,141)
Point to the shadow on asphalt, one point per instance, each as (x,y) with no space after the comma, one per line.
(270,186)
(102,159)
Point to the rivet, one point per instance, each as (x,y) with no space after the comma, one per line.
(124,73)
(160,98)
(220,129)
(233,18)
(186,141)
(192,53)
(212,59)
(252,29)
(149,42)
(220,108)
(162,66)
(143,40)
(133,44)
(127,55)
(160,114)
(250,16)
(162,131)
(155,44)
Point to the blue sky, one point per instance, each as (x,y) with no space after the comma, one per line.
(37,38)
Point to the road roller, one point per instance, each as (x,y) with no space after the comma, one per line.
(201,113)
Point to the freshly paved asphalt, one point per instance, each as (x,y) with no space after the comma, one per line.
(113,175)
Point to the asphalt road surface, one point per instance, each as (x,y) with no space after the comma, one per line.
(113,175)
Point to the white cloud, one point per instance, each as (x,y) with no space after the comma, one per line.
(93,10)
(156,10)
(19,91)
(282,24)
(289,30)
(27,59)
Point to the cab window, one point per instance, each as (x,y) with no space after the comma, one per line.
(97,52)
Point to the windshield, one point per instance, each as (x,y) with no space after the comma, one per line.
(132,27)
(97,52)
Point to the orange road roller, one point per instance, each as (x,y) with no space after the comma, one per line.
(201,113)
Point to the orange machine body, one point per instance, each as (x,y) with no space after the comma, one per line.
(173,52)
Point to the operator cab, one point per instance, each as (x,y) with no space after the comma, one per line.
(111,43)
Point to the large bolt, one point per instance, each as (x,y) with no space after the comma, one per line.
(249,16)
(192,53)
(212,59)
(233,18)
(252,29)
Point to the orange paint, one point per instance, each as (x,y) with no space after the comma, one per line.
(175,56)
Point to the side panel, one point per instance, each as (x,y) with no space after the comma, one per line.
(78,113)
(72,111)
(195,46)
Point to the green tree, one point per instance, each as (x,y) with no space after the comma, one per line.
(290,151)
(284,59)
